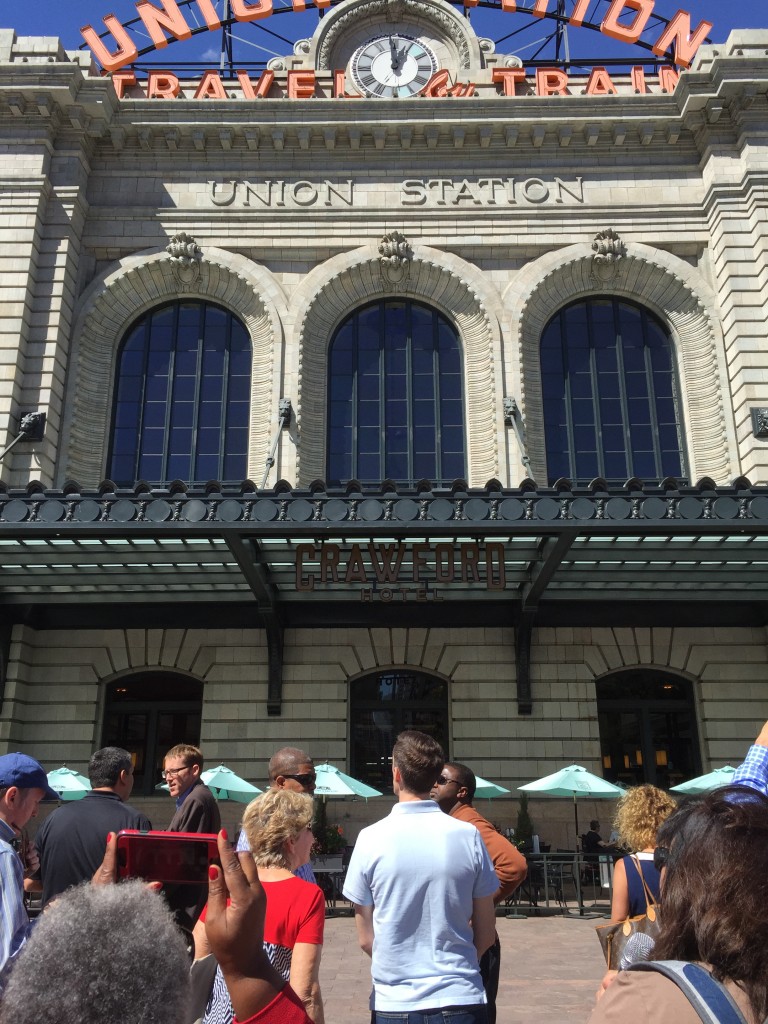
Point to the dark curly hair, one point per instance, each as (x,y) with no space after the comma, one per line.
(714,896)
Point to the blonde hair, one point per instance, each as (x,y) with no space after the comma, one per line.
(271,820)
(639,816)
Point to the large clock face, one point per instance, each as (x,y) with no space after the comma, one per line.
(393,65)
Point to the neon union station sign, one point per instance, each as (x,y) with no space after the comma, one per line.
(164,21)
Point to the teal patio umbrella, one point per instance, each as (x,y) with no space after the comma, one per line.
(226,785)
(333,782)
(574,781)
(485,790)
(69,784)
(704,783)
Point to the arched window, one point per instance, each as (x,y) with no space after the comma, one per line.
(146,715)
(610,394)
(182,397)
(647,728)
(396,408)
(381,706)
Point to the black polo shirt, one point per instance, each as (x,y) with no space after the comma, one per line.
(72,840)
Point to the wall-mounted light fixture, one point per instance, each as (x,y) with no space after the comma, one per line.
(31,428)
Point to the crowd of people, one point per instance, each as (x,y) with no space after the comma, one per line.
(424,883)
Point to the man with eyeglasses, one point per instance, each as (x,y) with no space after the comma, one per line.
(71,839)
(290,768)
(454,791)
(196,807)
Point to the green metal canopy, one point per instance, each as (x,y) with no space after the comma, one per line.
(526,556)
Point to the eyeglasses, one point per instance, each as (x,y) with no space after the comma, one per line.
(171,773)
(306,779)
(442,781)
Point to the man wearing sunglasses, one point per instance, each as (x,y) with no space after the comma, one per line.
(454,791)
(290,768)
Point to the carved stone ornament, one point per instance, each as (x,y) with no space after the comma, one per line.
(185,256)
(395,256)
(760,422)
(609,251)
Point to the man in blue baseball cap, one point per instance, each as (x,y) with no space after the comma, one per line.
(23,784)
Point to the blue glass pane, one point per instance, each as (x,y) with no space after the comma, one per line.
(452,439)
(213,361)
(122,470)
(610,411)
(211,389)
(127,415)
(342,362)
(424,439)
(423,387)
(235,467)
(396,439)
(424,466)
(369,468)
(584,438)
(639,412)
(185,363)
(586,465)
(634,360)
(238,414)
(606,360)
(208,441)
(240,361)
(615,466)
(581,385)
(130,389)
(550,339)
(344,338)
(132,363)
(642,439)
(368,413)
(210,414)
(156,389)
(153,441)
(184,389)
(451,413)
(179,467)
(422,361)
(341,387)
(397,466)
(395,358)
(644,466)
(161,330)
(451,386)
(180,441)
(124,442)
(189,326)
(583,411)
(558,465)
(239,389)
(397,414)
(424,414)
(341,414)
(396,386)
(368,440)
(671,464)
(450,359)
(340,441)
(150,467)
(637,385)
(154,414)
(453,466)
(236,440)
(669,440)
(206,467)
(216,328)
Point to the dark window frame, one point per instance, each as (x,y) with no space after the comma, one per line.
(426,713)
(357,417)
(138,342)
(562,389)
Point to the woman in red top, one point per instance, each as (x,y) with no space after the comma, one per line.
(277,826)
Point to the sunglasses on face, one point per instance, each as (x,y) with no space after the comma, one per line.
(305,779)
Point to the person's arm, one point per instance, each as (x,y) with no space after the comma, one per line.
(305,978)
(753,771)
(364,925)
(236,936)
(620,900)
(483,924)
(15,925)
(508,863)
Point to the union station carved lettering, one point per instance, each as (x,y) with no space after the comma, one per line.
(458,192)
(396,571)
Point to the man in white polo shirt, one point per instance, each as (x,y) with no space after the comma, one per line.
(423,884)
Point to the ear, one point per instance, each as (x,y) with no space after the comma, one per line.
(195,769)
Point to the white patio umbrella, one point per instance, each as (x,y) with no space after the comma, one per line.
(69,784)
(485,790)
(574,781)
(704,783)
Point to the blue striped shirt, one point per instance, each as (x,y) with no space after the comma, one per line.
(14,922)
(753,771)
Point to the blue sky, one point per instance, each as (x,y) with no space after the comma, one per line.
(64,18)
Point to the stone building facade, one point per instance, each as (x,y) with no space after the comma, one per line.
(293,203)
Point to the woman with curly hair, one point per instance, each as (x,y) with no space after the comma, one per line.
(640,814)
(713,897)
(277,825)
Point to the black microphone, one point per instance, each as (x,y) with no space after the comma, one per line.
(639,947)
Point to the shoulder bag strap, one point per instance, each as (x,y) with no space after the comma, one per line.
(649,898)
(712,1001)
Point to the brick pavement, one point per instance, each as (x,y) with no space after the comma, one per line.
(550,969)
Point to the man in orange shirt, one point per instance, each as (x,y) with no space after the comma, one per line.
(454,791)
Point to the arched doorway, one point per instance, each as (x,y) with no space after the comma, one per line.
(147,714)
(382,705)
(648,727)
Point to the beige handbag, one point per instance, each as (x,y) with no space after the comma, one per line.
(615,935)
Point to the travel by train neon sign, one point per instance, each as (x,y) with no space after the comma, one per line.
(164,21)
